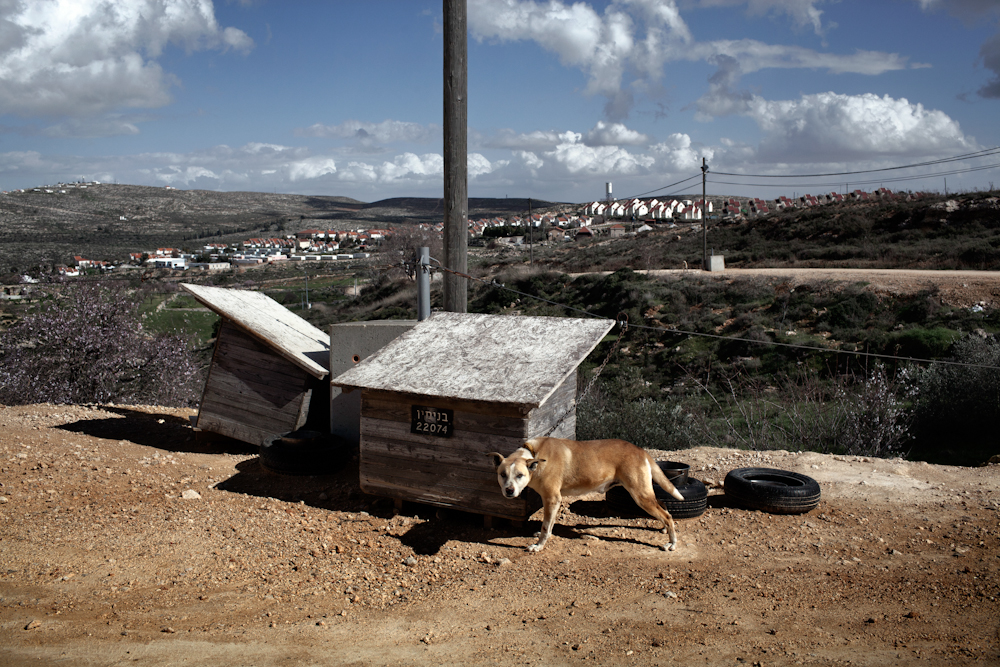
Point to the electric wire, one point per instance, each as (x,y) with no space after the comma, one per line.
(895,179)
(967,156)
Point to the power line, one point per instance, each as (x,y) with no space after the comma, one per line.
(965,156)
(665,187)
(895,179)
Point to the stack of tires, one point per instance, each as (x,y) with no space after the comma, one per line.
(304,453)
(763,489)
(695,494)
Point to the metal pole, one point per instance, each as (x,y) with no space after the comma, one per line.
(704,218)
(456,186)
(531,230)
(423,284)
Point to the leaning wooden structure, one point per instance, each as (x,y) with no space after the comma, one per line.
(269,369)
(440,397)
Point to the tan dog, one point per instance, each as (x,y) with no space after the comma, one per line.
(554,467)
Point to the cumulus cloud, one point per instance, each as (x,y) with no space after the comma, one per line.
(677,153)
(572,156)
(614,134)
(836,128)
(86,57)
(636,35)
(538,140)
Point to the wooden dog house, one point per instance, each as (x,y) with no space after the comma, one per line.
(268,369)
(437,399)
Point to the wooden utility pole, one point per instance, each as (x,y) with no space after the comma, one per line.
(456,185)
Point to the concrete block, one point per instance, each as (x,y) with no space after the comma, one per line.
(350,343)
(715,263)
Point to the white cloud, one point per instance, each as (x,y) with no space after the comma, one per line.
(311,168)
(677,154)
(753,55)
(85,57)
(831,127)
(538,140)
(185,176)
(477,165)
(604,47)
(614,134)
(92,127)
(624,51)
(803,13)
(598,160)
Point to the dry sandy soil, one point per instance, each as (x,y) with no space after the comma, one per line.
(128,539)
(957,288)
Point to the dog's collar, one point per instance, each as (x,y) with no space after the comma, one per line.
(527,446)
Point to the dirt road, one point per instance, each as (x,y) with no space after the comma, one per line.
(957,288)
(124,539)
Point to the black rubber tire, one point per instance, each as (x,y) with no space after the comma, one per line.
(694,504)
(676,472)
(771,490)
(304,453)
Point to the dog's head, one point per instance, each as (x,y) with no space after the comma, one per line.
(514,472)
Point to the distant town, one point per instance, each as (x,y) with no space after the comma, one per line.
(610,218)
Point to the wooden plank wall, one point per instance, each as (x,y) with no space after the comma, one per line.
(252,393)
(559,411)
(449,472)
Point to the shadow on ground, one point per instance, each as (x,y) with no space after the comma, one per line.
(163,431)
(341,492)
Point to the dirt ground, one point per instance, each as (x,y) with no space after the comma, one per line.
(966,289)
(126,538)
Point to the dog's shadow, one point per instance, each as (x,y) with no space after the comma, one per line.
(610,520)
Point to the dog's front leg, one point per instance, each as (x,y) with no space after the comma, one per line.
(551,506)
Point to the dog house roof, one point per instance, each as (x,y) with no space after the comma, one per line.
(492,358)
(267,320)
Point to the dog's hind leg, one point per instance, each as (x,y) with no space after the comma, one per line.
(647,501)
(551,512)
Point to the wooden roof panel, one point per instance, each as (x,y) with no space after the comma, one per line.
(493,358)
(267,320)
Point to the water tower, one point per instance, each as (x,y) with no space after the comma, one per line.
(607,192)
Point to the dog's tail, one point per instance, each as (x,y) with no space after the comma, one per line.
(662,480)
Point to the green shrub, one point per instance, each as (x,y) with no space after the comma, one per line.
(850,312)
(624,407)
(921,343)
(958,406)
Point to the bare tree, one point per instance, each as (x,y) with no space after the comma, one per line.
(402,245)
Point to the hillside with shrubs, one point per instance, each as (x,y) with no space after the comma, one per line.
(757,363)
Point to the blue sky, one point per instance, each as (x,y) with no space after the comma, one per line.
(345,98)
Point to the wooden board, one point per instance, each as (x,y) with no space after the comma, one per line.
(557,416)
(454,471)
(495,359)
(252,393)
(266,320)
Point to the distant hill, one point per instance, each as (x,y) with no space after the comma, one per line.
(49,225)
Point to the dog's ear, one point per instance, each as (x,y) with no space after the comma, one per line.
(496,457)
(534,464)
